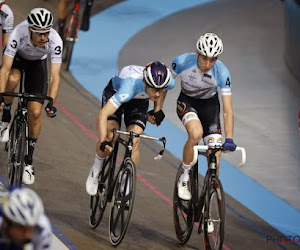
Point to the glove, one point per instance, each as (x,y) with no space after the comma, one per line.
(1,99)
(51,108)
(103,144)
(159,116)
(229,145)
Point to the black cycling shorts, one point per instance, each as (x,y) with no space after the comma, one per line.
(207,110)
(36,76)
(135,111)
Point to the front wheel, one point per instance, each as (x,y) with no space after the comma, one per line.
(214,215)
(183,214)
(122,202)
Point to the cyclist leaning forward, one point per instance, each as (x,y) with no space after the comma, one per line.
(128,93)
(198,104)
(27,49)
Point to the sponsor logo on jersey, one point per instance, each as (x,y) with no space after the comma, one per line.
(211,140)
(207,75)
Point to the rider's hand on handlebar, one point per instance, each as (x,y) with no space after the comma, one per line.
(51,111)
(156,117)
(229,145)
(106,146)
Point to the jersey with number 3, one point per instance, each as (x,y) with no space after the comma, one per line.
(129,84)
(197,84)
(19,42)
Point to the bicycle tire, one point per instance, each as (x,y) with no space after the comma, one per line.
(214,213)
(99,201)
(69,40)
(183,214)
(122,202)
(11,144)
(20,150)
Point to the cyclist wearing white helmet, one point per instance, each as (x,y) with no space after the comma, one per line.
(128,93)
(198,106)
(28,47)
(6,21)
(22,221)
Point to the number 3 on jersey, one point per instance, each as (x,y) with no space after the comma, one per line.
(123,97)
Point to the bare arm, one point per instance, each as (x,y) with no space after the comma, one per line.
(7,62)
(4,39)
(54,80)
(228,115)
(160,102)
(103,115)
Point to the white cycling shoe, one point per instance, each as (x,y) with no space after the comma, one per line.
(28,175)
(92,183)
(4,131)
(183,190)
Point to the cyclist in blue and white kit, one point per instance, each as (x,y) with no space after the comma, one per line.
(128,93)
(28,48)
(23,222)
(198,106)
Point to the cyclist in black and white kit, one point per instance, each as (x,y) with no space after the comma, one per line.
(198,106)
(23,222)
(27,49)
(6,21)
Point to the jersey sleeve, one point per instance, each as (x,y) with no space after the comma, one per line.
(224,79)
(125,92)
(8,21)
(56,48)
(12,45)
(182,62)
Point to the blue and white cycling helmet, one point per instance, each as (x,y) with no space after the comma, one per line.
(22,206)
(157,75)
(210,45)
(40,18)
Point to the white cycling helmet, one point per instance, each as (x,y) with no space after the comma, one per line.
(2,1)
(40,18)
(22,206)
(210,45)
(157,75)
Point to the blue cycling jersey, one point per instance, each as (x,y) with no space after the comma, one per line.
(129,84)
(197,84)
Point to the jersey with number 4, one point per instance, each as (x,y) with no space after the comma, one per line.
(129,84)
(19,42)
(197,84)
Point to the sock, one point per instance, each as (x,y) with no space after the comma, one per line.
(6,116)
(186,170)
(97,164)
(31,147)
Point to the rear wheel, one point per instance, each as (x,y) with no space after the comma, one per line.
(214,215)
(122,202)
(183,214)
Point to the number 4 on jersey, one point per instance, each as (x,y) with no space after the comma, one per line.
(228,83)
(123,97)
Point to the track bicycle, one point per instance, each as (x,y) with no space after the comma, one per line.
(118,185)
(71,31)
(206,208)
(17,146)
